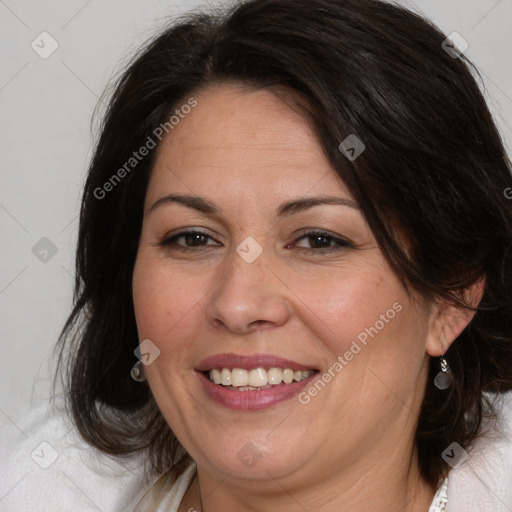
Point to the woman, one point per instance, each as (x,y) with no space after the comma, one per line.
(294,263)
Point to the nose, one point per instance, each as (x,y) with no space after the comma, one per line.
(249,297)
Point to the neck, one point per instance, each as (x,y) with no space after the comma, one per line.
(380,489)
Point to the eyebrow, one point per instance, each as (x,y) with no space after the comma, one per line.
(299,205)
(289,208)
(195,202)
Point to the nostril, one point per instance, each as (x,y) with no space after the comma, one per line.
(257,323)
(217,323)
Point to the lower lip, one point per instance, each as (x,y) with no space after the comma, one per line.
(252,400)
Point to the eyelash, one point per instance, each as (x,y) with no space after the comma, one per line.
(340,243)
(171,241)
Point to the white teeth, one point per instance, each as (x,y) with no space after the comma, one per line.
(251,388)
(275,376)
(215,376)
(257,378)
(225,376)
(288,376)
(239,377)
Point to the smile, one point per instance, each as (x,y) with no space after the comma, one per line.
(240,379)
(252,383)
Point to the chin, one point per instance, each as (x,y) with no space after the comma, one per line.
(255,457)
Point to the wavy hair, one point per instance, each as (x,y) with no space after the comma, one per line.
(434,169)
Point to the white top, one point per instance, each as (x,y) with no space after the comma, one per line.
(47,467)
(440,499)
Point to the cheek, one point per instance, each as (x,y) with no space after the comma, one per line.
(166,313)
(340,307)
(366,318)
(164,305)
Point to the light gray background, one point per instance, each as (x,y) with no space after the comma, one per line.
(46,141)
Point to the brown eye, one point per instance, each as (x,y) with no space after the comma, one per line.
(320,240)
(188,239)
(193,239)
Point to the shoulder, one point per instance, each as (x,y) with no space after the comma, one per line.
(482,477)
(46,466)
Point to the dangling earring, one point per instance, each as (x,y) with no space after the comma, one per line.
(137,372)
(443,379)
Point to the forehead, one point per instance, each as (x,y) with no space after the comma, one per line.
(238,141)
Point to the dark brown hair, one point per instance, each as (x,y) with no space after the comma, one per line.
(434,169)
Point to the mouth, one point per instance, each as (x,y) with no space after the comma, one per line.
(256,379)
(252,383)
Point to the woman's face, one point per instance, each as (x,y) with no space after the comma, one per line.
(254,256)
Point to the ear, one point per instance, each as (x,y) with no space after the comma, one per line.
(448,321)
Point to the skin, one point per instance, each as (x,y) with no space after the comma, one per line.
(351,447)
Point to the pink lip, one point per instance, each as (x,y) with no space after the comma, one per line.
(252,400)
(248,362)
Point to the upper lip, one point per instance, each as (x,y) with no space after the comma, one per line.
(249,362)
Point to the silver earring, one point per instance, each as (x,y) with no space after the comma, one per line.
(443,379)
(137,372)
